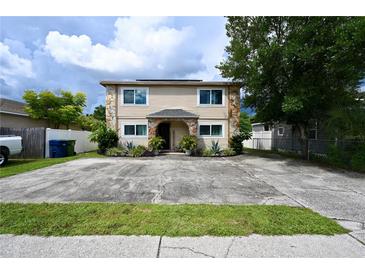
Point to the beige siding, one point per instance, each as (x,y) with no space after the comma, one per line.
(17,121)
(137,140)
(206,141)
(178,130)
(173,97)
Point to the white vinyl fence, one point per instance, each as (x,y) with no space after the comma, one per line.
(82,144)
(259,140)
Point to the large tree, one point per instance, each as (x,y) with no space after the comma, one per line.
(63,109)
(99,113)
(296,69)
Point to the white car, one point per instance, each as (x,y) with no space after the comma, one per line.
(9,145)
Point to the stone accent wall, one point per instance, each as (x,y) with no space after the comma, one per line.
(111,107)
(233,110)
(153,123)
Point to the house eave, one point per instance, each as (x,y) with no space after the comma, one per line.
(106,83)
(172,117)
(14,113)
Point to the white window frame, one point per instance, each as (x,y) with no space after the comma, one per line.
(121,95)
(211,136)
(135,129)
(210,104)
(281,134)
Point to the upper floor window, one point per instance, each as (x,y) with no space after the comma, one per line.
(210,97)
(135,96)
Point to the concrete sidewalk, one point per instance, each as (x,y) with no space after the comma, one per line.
(201,247)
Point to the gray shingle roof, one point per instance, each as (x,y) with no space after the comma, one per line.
(172,113)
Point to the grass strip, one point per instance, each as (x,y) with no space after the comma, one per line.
(17,166)
(171,220)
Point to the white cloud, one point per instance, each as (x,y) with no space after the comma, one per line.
(13,67)
(140,46)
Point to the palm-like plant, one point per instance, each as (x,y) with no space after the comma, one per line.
(129,145)
(216,149)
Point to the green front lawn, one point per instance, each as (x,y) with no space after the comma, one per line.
(170,220)
(16,166)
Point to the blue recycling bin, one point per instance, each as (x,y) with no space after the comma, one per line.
(57,148)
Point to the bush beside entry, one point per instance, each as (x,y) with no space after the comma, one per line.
(155,144)
(188,143)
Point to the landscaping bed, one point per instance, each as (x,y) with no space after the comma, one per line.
(170,220)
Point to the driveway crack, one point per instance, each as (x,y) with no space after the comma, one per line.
(229,247)
(352,236)
(190,249)
(159,248)
(254,177)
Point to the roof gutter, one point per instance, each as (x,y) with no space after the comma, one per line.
(14,113)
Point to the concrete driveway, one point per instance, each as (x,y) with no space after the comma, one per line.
(177,179)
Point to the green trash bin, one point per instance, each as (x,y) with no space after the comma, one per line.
(70,148)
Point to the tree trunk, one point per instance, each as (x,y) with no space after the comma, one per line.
(303,140)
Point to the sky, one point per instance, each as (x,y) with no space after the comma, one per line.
(76,53)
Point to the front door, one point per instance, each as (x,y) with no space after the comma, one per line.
(163,130)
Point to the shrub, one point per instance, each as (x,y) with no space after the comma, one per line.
(358,159)
(207,153)
(129,145)
(156,143)
(188,142)
(115,152)
(235,142)
(216,149)
(336,155)
(104,136)
(137,151)
(229,152)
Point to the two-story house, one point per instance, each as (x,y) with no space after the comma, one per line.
(141,109)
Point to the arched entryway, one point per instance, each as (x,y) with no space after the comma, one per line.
(172,132)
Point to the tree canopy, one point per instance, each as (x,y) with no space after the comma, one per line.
(296,69)
(99,113)
(63,109)
(245,122)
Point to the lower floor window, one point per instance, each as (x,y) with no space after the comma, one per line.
(211,130)
(135,130)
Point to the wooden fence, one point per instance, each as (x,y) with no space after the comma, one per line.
(33,141)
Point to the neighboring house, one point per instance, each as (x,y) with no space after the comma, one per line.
(141,109)
(282,136)
(13,115)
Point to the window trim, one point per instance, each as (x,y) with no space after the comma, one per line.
(210,104)
(210,130)
(121,94)
(123,124)
(281,134)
